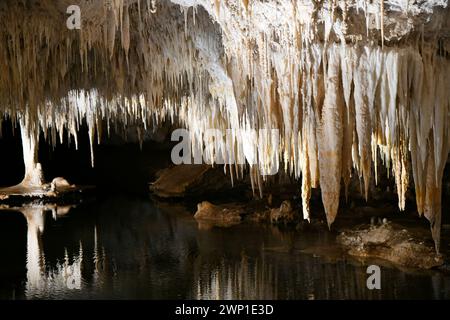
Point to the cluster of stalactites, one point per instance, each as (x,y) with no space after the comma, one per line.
(340,101)
(122,67)
(351,106)
(319,72)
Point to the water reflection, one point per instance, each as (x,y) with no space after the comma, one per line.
(131,249)
(239,280)
(40,279)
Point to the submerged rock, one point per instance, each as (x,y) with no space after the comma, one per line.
(258,215)
(391,242)
(220,216)
(284,214)
(189,180)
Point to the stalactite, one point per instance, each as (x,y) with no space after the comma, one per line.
(382,22)
(362,117)
(330,137)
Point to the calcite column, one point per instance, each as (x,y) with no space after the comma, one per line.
(33,170)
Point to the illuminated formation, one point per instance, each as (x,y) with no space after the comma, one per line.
(345,82)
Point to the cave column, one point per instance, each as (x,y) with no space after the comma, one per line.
(33,170)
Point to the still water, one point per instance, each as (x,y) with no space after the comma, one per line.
(131,248)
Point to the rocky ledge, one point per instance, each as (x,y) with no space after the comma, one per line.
(230,214)
(391,242)
(57,191)
(189,181)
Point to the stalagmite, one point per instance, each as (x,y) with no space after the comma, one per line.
(33,170)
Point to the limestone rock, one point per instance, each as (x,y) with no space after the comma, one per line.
(189,181)
(59,182)
(284,214)
(391,242)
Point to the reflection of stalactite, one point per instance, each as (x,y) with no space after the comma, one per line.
(245,279)
(35,256)
(42,282)
(276,276)
(163,255)
(99,275)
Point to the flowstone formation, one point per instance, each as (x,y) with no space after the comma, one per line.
(347,83)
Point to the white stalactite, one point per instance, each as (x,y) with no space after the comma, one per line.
(330,137)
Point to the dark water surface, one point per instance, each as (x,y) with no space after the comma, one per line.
(129,248)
